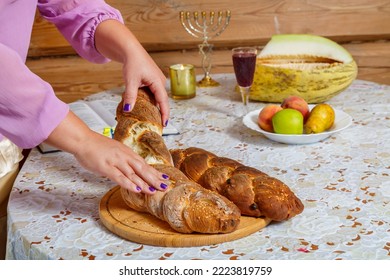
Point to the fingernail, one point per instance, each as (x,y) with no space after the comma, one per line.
(152,189)
(166,122)
(127,107)
(165,176)
(163,186)
(138,189)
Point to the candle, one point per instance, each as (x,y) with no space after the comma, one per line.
(183,83)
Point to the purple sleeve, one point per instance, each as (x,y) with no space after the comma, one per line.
(29,109)
(77,21)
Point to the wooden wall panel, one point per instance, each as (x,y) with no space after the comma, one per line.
(156,22)
(74,78)
(361,26)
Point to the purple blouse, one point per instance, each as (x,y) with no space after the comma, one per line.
(29,108)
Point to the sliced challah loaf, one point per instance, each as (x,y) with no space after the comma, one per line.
(185,205)
(207,193)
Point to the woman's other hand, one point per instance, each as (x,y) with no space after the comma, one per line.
(107,157)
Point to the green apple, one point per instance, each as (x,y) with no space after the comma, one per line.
(288,121)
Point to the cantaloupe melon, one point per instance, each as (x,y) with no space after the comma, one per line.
(312,67)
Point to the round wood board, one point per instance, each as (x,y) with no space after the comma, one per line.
(146,229)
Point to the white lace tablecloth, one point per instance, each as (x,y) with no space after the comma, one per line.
(343,181)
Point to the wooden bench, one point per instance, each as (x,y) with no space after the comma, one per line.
(362,27)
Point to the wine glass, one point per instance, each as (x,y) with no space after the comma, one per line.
(244,63)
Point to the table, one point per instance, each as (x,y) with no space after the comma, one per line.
(343,181)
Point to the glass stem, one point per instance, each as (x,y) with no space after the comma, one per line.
(245,94)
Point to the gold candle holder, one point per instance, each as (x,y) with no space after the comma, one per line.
(183,81)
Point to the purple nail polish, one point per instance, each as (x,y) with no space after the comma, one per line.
(165,176)
(152,189)
(163,186)
(127,107)
(166,122)
(138,189)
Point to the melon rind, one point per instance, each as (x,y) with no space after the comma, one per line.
(305,44)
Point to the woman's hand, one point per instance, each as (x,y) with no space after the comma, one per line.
(107,157)
(115,41)
(118,162)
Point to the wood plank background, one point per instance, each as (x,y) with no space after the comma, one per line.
(361,26)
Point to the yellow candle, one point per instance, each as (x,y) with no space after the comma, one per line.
(183,82)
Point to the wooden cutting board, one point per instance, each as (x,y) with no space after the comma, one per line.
(145,229)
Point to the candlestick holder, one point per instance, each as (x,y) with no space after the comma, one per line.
(206,27)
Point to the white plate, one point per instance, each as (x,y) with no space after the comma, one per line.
(342,121)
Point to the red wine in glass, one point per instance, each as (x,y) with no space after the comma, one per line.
(244,64)
(244,67)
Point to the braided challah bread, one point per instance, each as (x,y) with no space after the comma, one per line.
(185,205)
(207,193)
(255,193)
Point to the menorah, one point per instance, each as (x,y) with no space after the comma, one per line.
(207,28)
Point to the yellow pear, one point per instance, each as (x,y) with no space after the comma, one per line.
(321,118)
